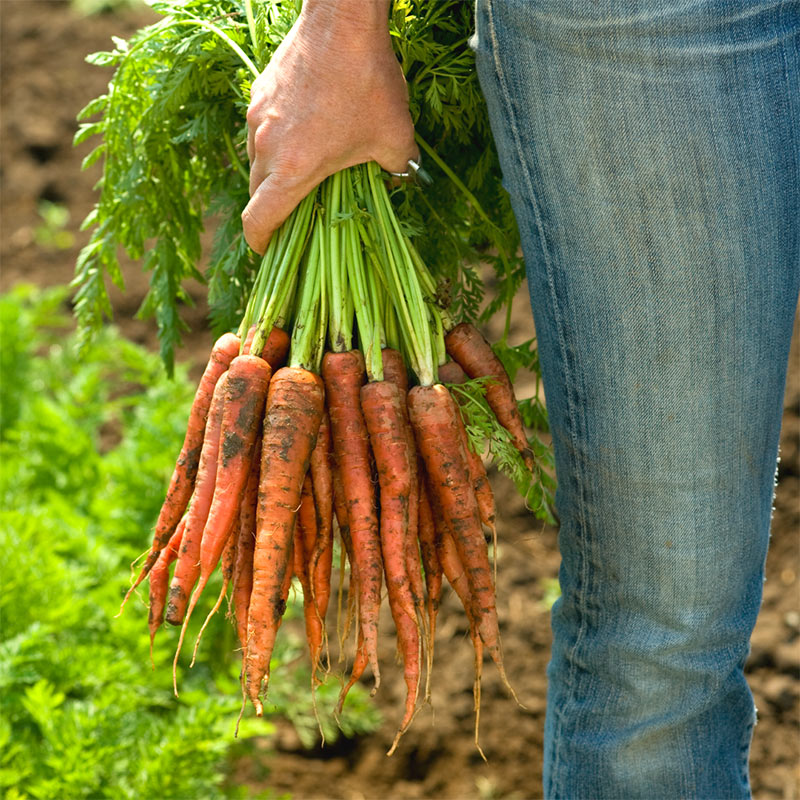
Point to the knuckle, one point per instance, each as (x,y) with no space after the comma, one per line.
(293,166)
(247,224)
(252,233)
(261,137)
(252,115)
(250,225)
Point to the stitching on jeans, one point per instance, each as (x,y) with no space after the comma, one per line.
(562,346)
(786,77)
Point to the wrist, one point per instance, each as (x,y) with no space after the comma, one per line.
(359,23)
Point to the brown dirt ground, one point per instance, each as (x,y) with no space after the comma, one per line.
(44,83)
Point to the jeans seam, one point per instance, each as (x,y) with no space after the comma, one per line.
(782,17)
(571,407)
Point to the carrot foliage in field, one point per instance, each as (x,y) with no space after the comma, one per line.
(85,448)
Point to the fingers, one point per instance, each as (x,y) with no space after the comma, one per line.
(271,203)
(281,177)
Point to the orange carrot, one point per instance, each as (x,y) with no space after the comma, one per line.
(457,578)
(304,542)
(188,567)
(454,571)
(434,417)
(452,373)
(383,408)
(243,568)
(159,582)
(466,345)
(276,348)
(295,403)
(322,481)
(433,570)
(248,340)
(340,510)
(394,371)
(186,468)
(228,562)
(245,395)
(321,557)
(343,374)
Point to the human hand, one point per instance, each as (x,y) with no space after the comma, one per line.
(333,95)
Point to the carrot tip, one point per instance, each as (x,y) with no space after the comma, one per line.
(124,601)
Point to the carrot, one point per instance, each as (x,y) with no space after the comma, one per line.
(295,404)
(453,569)
(394,371)
(321,556)
(452,373)
(383,408)
(394,368)
(472,352)
(243,568)
(433,570)
(434,417)
(248,340)
(340,510)
(188,568)
(457,578)
(360,663)
(276,348)
(159,583)
(228,561)
(186,468)
(245,395)
(343,374)
(304,542)
(428,540)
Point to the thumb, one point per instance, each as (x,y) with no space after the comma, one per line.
(271,203)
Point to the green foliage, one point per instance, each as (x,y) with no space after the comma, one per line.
(179,92)
(86,449)
(173,148)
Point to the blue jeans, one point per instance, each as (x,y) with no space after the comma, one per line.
(651,149)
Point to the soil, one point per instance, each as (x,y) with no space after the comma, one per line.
(44,83)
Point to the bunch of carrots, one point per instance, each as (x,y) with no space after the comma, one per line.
(332,404)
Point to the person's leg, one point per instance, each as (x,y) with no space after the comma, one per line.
(651,151)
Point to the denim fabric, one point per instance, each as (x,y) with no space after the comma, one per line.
(651,149)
